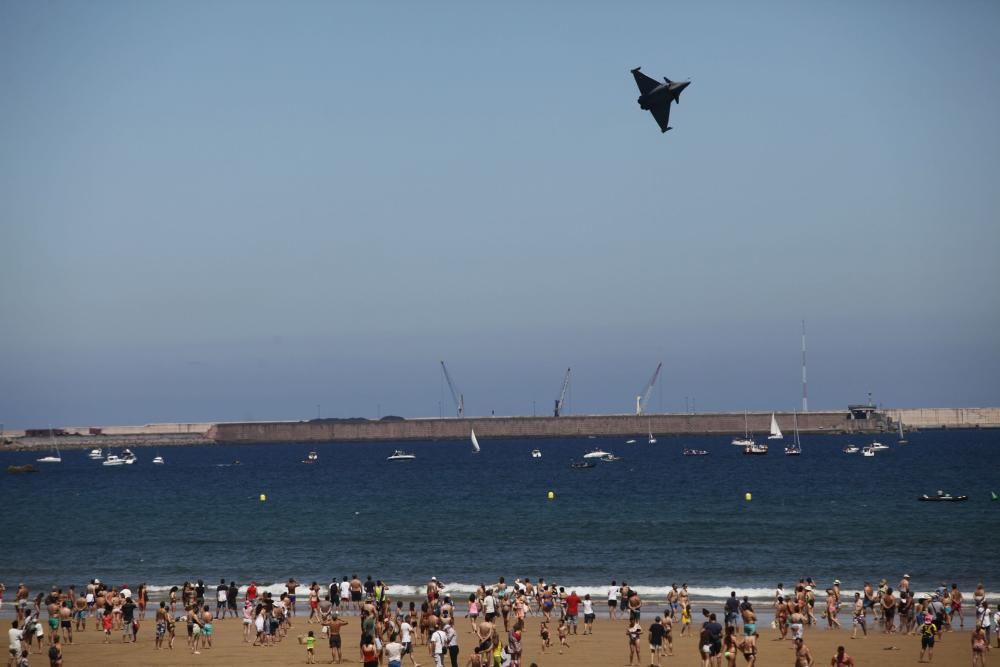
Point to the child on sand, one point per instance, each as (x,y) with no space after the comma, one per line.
(310,647)
(563,634)
(107,622)
(686,620)
(928,632)
(544,633)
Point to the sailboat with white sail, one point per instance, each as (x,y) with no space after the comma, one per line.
(775,431)
(902,438)
(52,458)
(475,442)
(796,447)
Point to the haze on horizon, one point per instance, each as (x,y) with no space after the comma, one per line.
(253,210)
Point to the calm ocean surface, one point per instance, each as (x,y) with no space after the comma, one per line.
(653,518)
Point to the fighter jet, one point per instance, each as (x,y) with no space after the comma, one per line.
(656,97)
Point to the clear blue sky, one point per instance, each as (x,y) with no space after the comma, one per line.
(243,210)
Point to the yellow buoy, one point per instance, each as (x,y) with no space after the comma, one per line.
(263,497)
(748,496)
(552,495)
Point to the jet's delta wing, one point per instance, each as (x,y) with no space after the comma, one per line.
(662,116)
(645,83)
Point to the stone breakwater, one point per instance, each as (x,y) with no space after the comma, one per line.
(112,442)
(627,426)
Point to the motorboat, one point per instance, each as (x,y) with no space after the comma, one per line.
(536,453)
(596,453)
(610,458)
(630,442)
(868,451)
(158,460)
(941,497)
(50,459)
(695,452)
(126,459)
(311,457)
(400,455)
(755,449)
(878,446)
(96,454)
(580,465)
(851,449)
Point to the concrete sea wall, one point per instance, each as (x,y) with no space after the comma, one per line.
(631,426)
(947,417)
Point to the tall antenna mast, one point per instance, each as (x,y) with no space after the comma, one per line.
(805,391)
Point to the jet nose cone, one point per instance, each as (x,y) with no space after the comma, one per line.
(682,85)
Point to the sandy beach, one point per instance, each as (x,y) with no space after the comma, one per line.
(607,646)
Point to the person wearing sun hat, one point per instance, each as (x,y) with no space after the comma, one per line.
(928,633)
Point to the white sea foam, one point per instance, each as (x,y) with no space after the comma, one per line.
(460,591)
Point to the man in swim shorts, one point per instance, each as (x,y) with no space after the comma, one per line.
(291,586)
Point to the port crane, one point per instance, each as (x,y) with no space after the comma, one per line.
(643,399)
(455,395)
(562,395)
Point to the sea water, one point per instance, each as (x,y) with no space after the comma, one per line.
(653,518)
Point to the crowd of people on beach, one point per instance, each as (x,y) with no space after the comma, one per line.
(498,616)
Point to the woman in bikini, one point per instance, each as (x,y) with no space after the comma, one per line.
(749,649)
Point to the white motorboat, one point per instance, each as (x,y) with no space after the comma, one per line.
(126,459)
(536,453)
(311,457)
(596,453)
(96,454)
(630,442)
(610,458)
(868,451)
(400,455)
(746,440)
(158,460)
(775,431)
(851,449)
(878,446)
